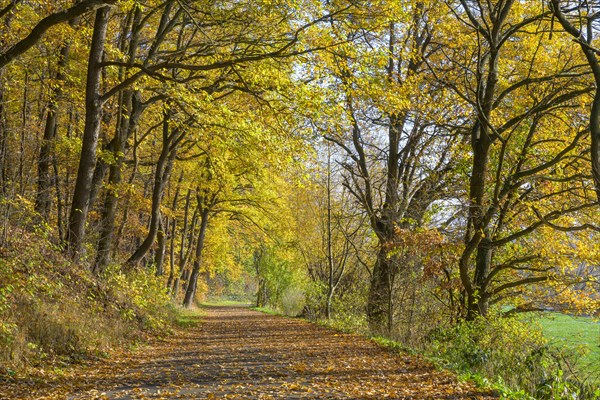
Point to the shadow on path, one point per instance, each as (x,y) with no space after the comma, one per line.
(239,353)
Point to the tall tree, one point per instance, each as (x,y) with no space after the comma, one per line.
(580,20)
(386,133)
(44,186)
(514,158)
(93,119)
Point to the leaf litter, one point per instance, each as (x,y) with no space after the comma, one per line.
(234,352)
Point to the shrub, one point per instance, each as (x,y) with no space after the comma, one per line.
(513,352)
(293,301)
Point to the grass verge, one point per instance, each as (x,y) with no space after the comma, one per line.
(579,336)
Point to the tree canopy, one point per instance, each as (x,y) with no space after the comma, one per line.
(416,163)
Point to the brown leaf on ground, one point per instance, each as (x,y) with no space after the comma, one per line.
(238,353)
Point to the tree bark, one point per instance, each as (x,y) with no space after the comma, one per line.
(43,200)
(161,178)
(190,292)
(93,117)
(378,301)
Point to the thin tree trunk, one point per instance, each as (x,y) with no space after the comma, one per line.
(24,117)
(128,198)
(190,292)
(128,122)
(172,254)
(182,244)
(59,201)
(43,200)
(159,257)
(330,282)
(3,138)
(172,233)
(161,177)
(183,262)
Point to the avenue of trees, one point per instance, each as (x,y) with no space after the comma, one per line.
(411,164)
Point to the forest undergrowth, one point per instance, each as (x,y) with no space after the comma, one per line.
(54,312)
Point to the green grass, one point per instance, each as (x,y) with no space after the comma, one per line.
(578,334)
(188,318)
(226,302)
(267,310)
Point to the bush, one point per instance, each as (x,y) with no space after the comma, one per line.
(512,352)
(293,301)
(140,296)
(281,286)
(349,311)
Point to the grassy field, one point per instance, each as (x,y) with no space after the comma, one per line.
(575,333)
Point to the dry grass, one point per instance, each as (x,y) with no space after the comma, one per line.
(53,311)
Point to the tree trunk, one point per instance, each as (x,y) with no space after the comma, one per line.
(379,292)
(128,123)
(184,251)
(161,178)
(3,138)
(93,117)
(172,234)
(59,202)
(190,292)
(109,213)
(172,254)
(159,257)
(43,200)
(330,278)
(24,117)
(595,133)
(261,296)
(479,304)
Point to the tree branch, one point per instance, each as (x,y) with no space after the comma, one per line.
(53,19)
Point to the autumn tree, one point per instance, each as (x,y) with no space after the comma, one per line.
(396,157)
(580,21)
(91,132)
(332,234)
(523,178)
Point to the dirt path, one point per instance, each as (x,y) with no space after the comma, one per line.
(238,353)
